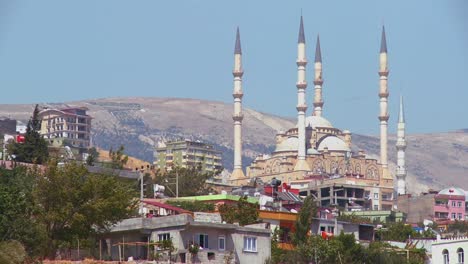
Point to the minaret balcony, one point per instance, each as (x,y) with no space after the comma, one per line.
(301,62)
(238,94)
(384,118)
(301,85)
(318,104)
(237,117)
(238,73)
(384,94)
(383,73)
(301,108)
(318,82)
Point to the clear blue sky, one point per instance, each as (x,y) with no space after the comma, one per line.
(59,50)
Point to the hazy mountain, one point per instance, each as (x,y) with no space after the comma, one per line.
(435,160)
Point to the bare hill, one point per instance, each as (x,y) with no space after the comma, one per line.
(434,160)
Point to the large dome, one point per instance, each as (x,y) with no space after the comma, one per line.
(317,121)
(290,144)
(333,144)
(453,191)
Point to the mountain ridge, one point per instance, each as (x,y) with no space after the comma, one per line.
(435,160)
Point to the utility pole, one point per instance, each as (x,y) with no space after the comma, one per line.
(177,184)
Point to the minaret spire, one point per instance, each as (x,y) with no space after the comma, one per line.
(383,95)
(237,173)
(401,147)
(318,81)
(301,164)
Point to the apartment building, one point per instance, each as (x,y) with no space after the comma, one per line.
(66,127)
(187,153)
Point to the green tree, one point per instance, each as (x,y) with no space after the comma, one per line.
(193,206)
(18,210)
(304,220)
(34,149)
(76,204)
(398,231)
(243,212)
(191,180)
(118,158)
(12,252)
(93,156)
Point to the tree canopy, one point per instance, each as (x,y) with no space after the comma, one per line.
(53,207)
(34,149)
(304,220)
(243,212)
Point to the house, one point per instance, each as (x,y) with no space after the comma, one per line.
(449,250)
(335,227)
(216,241)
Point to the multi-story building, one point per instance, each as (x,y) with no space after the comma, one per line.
(442,207)
(187,153)
(66,127)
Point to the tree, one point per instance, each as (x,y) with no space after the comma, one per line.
(34,149)
(118,158)
(12,252)
(18,210)
(191,180)
(398,231)
(93,156)
(193,206)
(243,212)
(304,220)
(76,204)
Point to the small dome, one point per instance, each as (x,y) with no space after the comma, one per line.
(317,121)
(290,144)
(453,191)
(312,151)
(333,144)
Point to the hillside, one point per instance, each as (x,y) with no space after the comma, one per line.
(434,160)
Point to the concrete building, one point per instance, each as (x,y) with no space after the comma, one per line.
(187,153)
(449,250)
(349,192)
(217,241)
(67,127)
(443,207)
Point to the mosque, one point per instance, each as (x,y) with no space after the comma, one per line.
(314,148)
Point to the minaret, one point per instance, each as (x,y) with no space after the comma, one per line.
(401,147)
(383,94)
(301,164)
(237,173)
(318,81)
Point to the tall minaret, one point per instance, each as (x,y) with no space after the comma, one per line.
(301,164)
(318,81)
(383,94)
(237,173)
(401,147)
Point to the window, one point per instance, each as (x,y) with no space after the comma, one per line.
(376,195)
(376,207)
(164,236)
(454,216)
(459,204)
(222,243)
(461,256)
(445,253)
(459,216)
(202,240)
(454,203)
(322,228)
(250,244)
(331,229)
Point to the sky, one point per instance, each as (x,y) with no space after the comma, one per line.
(55,50)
